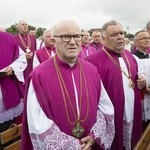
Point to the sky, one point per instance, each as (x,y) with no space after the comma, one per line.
(132,14)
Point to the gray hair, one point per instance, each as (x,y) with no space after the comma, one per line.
(20,22)
(47,32)
(96,31)
(136,34)
(104,27)
(148,25)
(63,24)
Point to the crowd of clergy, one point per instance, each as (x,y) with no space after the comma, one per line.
(75,90)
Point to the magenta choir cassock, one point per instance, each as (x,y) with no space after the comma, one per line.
(97,46)
(11,93)
(86,51)
(124,96)
(52,108)
(43,54)
(27,43)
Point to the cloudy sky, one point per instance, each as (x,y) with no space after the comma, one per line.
(88,13)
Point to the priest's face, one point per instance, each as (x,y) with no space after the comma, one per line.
(97,37)
(49,40)
(114,38)
(68,41)
(86,37)
(22,27)
(142,41)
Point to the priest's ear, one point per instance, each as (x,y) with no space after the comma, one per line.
(17,27)
(103,38)
(54,39)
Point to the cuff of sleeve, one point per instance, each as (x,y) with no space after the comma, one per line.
(80,141)
(92,135)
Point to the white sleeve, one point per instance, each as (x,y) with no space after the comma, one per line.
(37,44)
(141,72)
(104,129)
(105,104)
(44,133)
(35,61)
(19,65)
(34,123)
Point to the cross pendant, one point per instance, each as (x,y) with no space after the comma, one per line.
(28,50)
(77,130)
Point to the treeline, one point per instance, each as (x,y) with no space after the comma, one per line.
(39,31)
(14,30)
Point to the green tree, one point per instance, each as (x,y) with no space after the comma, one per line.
(12,29)
(128,35)
(31,27)
(39,32)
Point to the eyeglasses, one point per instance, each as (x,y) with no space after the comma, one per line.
(86,35)
(67,37)
(144,38)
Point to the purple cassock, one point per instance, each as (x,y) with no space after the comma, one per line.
(97,46)
(48,91)
(113,83)
(44,54)
(28,42)
(86,50)
(10,86)
(148,50)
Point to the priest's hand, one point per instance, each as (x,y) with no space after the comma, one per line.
(141,82)
(147,90)
(29,55)
(9,71)
(87,143)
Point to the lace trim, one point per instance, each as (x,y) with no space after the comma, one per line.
(10,114)
(127,134)
(104,130)
(54,139)
(146,108)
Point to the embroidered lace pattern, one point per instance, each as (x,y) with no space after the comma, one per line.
(127,134)
(54,139)
(104,130)
(10,114)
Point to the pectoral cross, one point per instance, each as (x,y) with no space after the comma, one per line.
(28,50)
(77,130)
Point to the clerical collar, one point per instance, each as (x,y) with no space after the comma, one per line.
(50,48)
(96,43)
(72,64)
(112,52)
(85,46)
(144,53)
(62,63)
(141,55)
(23,34)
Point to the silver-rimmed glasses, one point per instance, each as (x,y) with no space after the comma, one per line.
(67,37)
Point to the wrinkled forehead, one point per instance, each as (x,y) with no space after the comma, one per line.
(141,34)
(96,33)
(85,33)
(114,28)
(47,33)
(67,27)
(22,23)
